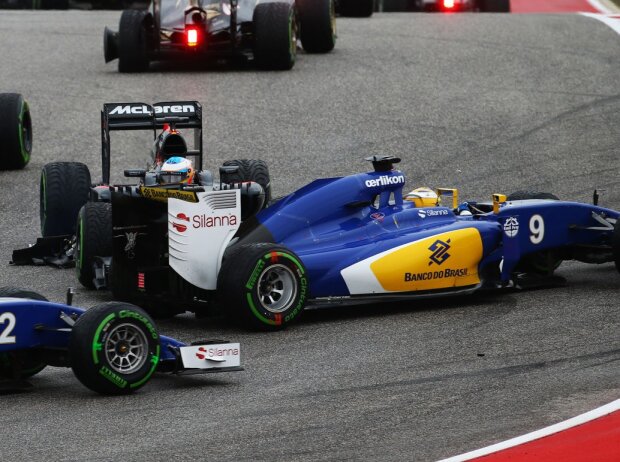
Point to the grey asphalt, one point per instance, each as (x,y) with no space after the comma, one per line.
(484,103)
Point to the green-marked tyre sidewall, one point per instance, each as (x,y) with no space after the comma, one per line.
(263,315)
(88,358)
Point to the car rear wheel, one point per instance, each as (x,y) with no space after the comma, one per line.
(23,363)
(133,43)
(114,348)
(93,239)
(249,170)
(546,261)
(64,189)
(262,286)
(16,132)
(275,46)
(317,23)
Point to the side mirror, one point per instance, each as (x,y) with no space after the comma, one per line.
(135,173)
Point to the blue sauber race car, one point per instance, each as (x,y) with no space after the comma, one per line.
(358,239)
(113,348)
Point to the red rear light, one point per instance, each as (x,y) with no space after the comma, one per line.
(191,34)
(448,4)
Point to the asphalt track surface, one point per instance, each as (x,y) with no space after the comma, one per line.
(484,103)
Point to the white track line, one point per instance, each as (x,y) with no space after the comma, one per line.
(579,420)
(611,21)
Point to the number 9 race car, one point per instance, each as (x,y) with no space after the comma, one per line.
(15,132)
(113,348)
(266,31)
(353,239)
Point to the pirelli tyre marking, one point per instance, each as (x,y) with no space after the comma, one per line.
(442,261)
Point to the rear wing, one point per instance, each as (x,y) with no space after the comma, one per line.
(141,116)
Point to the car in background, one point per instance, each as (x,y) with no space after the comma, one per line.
(196,30)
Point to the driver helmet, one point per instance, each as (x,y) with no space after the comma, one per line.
(423,197)
(177,170)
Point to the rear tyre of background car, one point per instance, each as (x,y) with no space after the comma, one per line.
(494,6)
(249,170)
(317,24)
(275,36)
(133,41)
(15,132)
(93,239)
(64,189)
(262,286)
(356,8)
(25,362)
(114,348)
(546,261)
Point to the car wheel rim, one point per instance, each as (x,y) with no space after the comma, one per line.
(277,288)
(125,348)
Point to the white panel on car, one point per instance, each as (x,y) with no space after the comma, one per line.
(198,234)
(210,356)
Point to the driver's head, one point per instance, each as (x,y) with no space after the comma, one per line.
(176,170)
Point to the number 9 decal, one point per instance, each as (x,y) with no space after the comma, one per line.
(5,334)
(537,229)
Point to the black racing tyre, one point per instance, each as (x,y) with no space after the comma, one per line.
(356,8)
(615,244)
(64,189)
(27,363)
(275,36)
(546,261)
(16,132)
(250,170)
(262,286)
(495,6)
(317,25)
(133,41)
(93,239)
(114,348)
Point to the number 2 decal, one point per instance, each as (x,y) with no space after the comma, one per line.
(5,334)
(537,229)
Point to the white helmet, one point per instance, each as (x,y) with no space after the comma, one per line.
(177,170)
